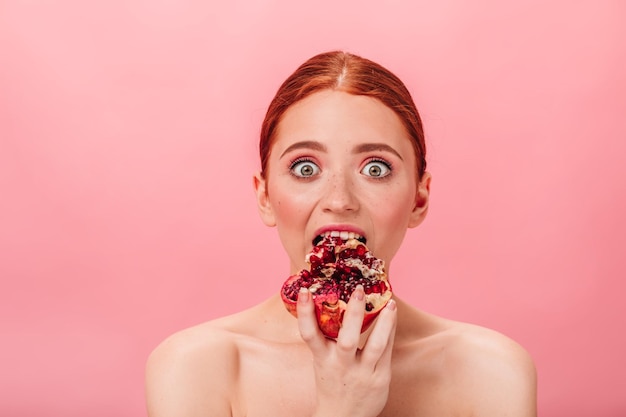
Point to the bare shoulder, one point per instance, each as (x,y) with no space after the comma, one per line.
(460,369)
(491,374)
(197,371)
(192,373)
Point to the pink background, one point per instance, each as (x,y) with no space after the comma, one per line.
(128,138)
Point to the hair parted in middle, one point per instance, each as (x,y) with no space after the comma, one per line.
(343,71)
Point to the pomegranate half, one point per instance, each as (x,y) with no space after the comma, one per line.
(336,267)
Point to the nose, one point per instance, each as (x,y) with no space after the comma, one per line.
(340,194)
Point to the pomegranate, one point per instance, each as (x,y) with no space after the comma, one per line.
(336,267)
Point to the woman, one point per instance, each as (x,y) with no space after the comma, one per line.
(342,149)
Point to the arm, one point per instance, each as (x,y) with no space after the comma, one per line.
(183,381)
(350,382)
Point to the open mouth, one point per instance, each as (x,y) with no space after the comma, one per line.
(343,235)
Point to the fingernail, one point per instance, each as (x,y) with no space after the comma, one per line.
(391,305)
(359,293)
(303,295)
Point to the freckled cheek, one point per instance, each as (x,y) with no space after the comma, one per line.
(393,204)
(289,209)
(392,217)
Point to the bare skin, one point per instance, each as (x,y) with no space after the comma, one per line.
(340,162)
(255,363)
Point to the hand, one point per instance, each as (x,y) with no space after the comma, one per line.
(349,381)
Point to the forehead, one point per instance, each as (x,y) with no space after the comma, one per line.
(338,118)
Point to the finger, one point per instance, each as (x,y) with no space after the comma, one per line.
(349,335)
(307,322)
(378,347)
(385,360)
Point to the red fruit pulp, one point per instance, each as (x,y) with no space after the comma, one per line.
(336,267)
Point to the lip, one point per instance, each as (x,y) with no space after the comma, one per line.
(339,228)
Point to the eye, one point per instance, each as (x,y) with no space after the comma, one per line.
(304,168)
(376,168)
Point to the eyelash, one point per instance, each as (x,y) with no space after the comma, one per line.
(301,159)
(298,161)
(384,162)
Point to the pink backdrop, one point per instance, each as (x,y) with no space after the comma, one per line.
(128,134)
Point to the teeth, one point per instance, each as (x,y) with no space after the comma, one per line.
(344,235)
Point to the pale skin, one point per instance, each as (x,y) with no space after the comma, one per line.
(328,169)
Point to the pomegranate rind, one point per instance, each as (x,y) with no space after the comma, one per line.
(329,306)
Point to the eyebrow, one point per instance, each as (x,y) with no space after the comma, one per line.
(362,148)
(369,147)
(305,144)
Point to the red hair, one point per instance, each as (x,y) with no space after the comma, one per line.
(352,74)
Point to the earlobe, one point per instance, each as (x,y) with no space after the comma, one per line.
(421,201)
(263,201)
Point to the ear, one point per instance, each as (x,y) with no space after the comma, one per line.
(263,200)
(421,201)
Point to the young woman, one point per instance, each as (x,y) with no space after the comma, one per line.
(342,149)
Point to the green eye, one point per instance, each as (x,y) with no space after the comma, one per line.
(376,169)
(304,169)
